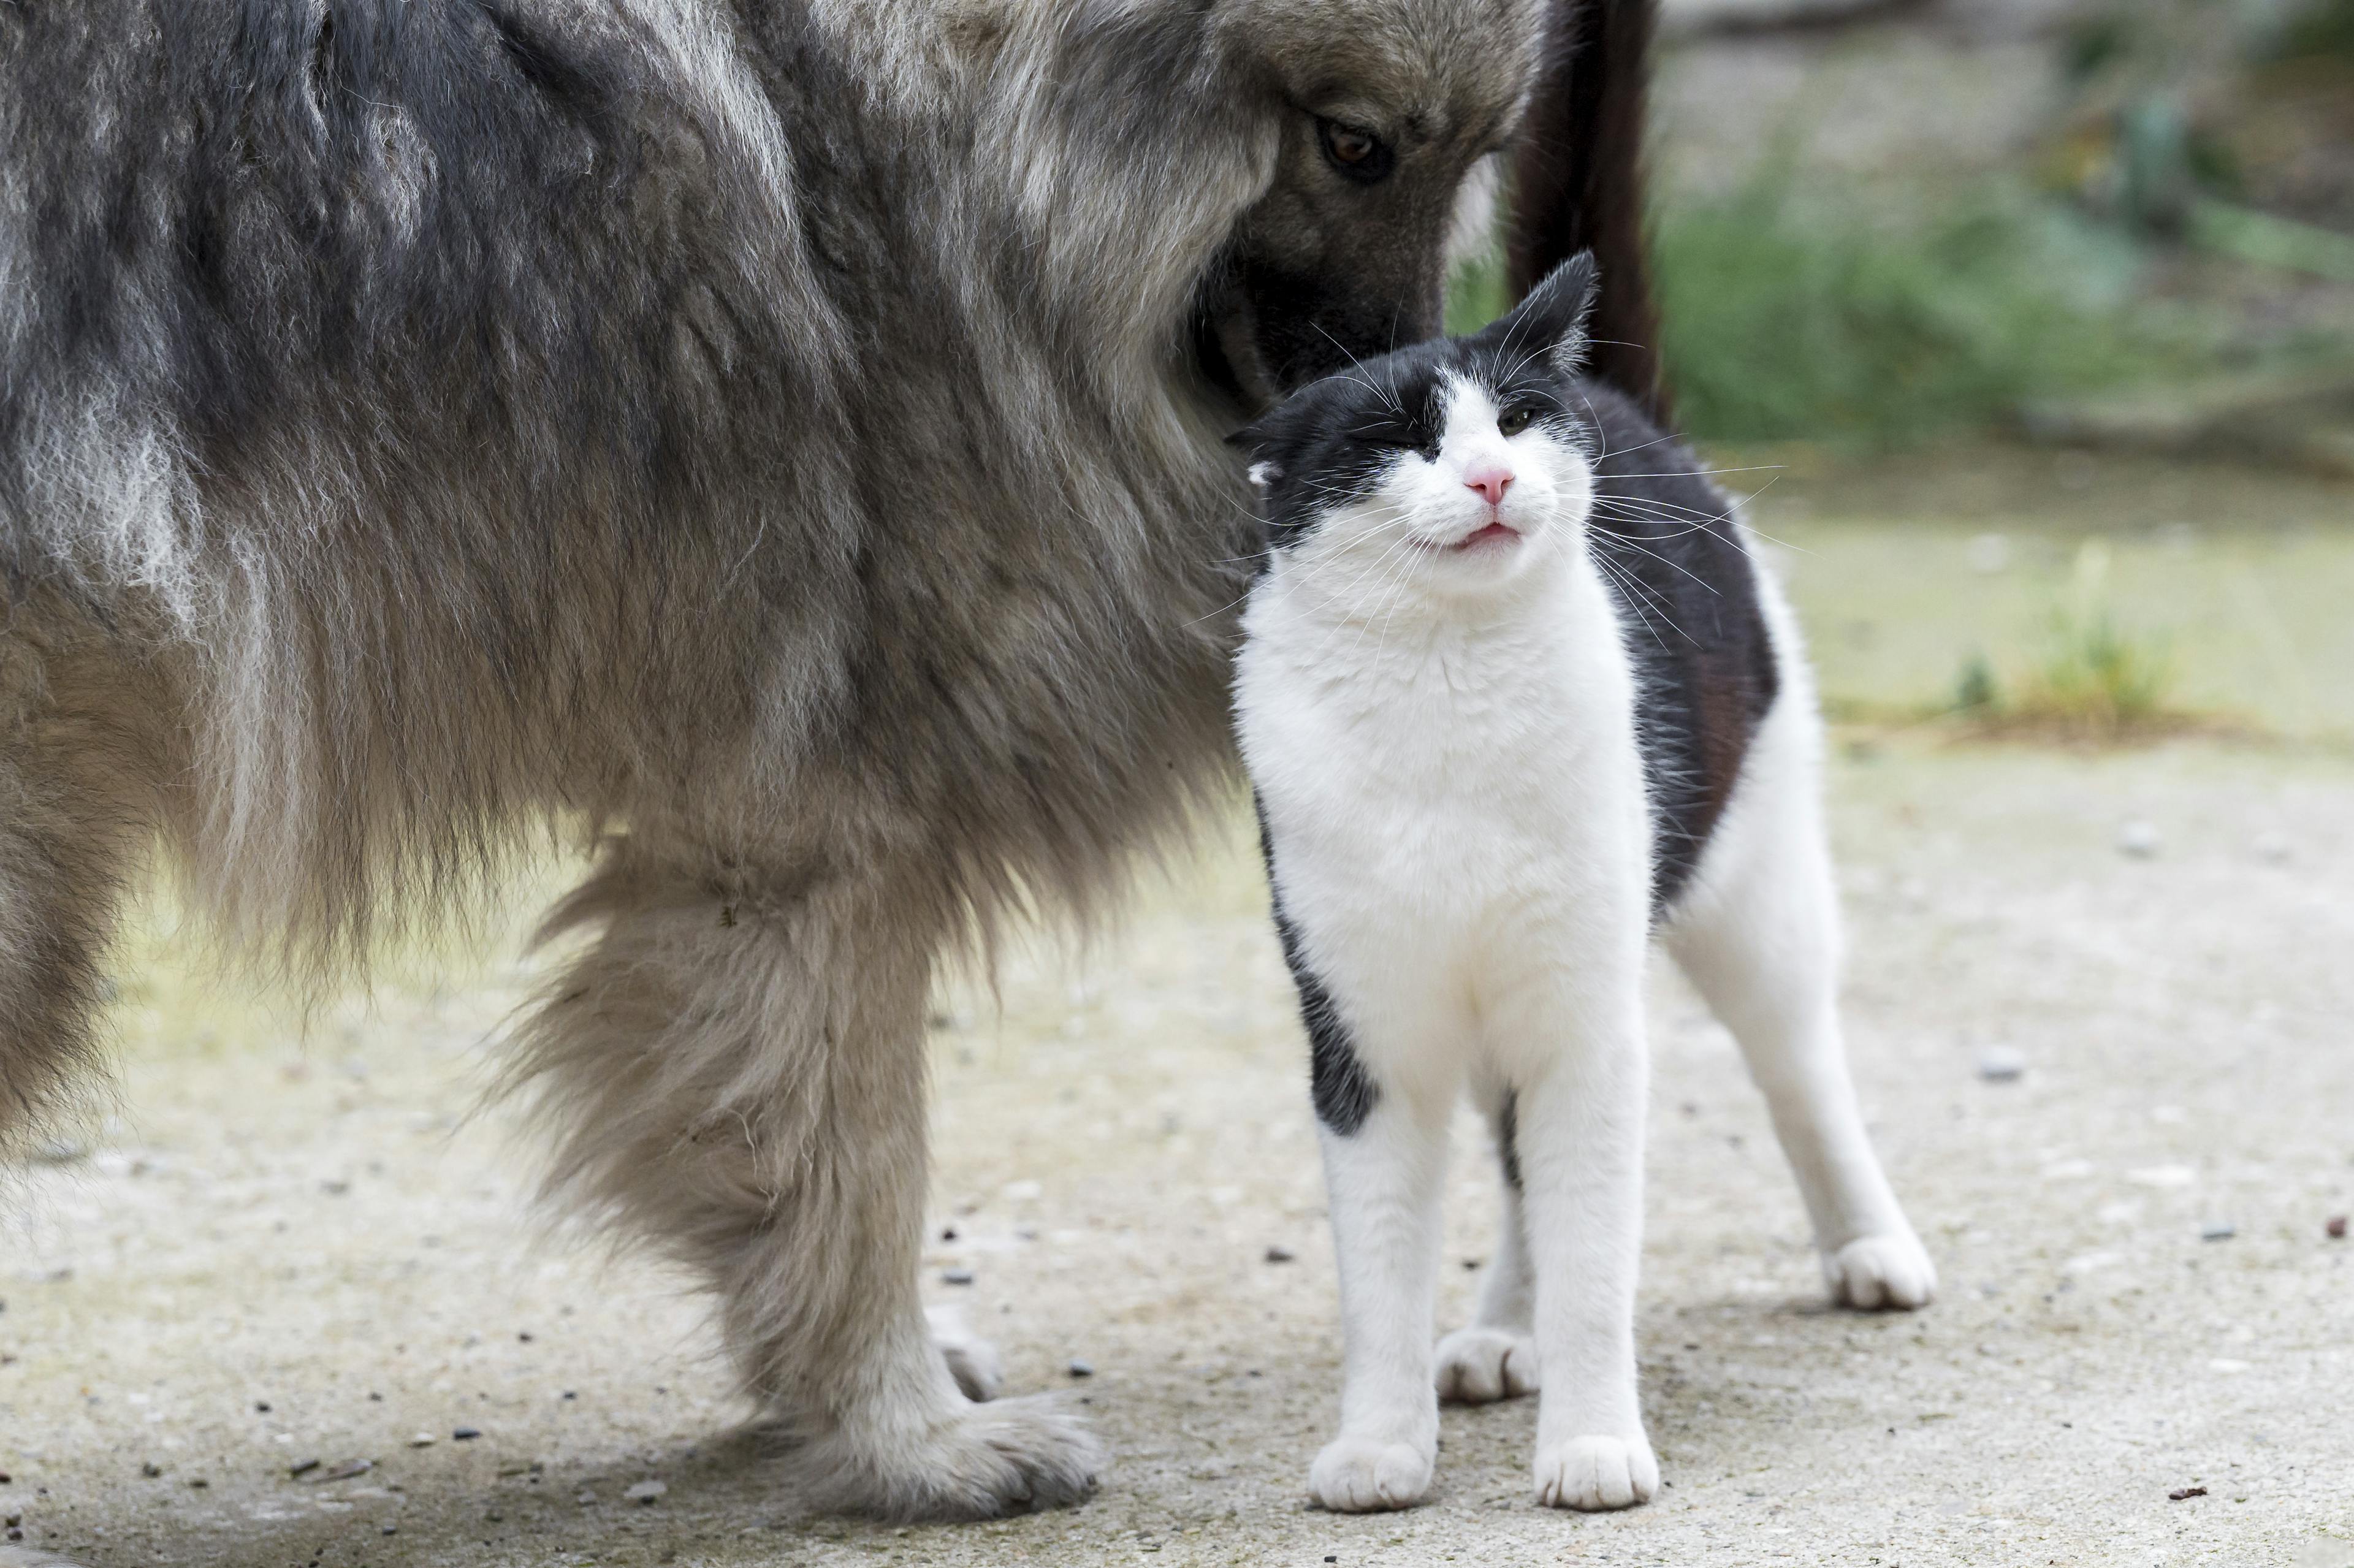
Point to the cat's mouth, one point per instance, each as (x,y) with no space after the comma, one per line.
(1494,536)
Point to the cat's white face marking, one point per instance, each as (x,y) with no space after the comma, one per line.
(1504,487)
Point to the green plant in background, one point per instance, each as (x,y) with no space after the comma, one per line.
(2092,677)
(1975,691)
(2317,28)
(1792,313)
(2095,677)
(1476,294)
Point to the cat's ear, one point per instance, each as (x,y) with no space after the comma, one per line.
(1551,318)
(1253,439)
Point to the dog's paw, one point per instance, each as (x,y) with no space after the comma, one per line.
(972,1361)
(1480,1366)
(1889,1270)
(1593,1474)
(1012,1455)
(1361,1475)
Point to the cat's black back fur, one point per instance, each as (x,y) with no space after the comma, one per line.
(1704,663)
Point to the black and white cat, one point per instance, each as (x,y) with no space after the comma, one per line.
(1513,696)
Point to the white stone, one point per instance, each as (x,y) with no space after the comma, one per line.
(2163,1176)
(2001,1064)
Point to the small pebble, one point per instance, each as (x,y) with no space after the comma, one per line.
(423,1440)
(465,1434)
(262,1406)
(302,1469)
(2178,1493)
(1278,1254)
(2001,1064)
(956,1277)
(645,1492)
(1082,1368)
(391,1529)
(199,1481)
(2138,838)
(150,1469)
(2217,1230)
(2335,1230)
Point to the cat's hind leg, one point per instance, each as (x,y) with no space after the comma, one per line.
(1758,935)
(1495,1357)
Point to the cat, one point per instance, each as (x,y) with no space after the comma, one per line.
(1514,697)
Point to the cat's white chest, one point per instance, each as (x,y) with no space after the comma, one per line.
(1449,792)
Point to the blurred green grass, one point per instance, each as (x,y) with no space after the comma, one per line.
(1788,312)
(1798,312)
(2214,616)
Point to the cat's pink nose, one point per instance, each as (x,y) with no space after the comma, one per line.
(1491,482)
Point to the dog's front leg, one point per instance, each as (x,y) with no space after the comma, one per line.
(737,1075)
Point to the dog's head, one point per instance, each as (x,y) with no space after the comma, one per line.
(1389,113)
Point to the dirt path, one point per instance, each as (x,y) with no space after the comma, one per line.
(281,1255)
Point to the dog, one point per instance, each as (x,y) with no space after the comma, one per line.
(779,446)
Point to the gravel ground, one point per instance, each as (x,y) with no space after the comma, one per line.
(280,1253)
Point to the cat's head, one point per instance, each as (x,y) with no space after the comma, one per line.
(1457,463)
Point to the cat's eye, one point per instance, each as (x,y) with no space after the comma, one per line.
(1512,421)
(1359,155)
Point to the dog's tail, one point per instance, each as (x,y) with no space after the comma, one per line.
(1578,183)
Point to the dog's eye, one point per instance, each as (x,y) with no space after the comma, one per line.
(1359,155)
(1512,421)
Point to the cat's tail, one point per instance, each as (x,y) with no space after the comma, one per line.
(1578,183)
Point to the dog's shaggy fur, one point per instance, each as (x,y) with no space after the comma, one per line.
(784,436)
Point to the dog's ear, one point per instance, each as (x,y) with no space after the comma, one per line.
(1551,318)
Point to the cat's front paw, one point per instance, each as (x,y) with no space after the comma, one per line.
(1593,1474)
(1481,1365)
(1362,1475)
(1890,1270)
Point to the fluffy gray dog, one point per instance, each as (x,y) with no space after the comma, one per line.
(783,436)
